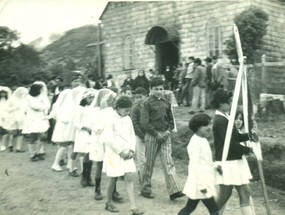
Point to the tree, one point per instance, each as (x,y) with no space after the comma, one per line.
(7,37)
(18,62)
(252,26)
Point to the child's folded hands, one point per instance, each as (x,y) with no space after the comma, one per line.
(125,154)
(87,129)
(219,169)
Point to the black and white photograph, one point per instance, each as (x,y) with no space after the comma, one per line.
(142,107)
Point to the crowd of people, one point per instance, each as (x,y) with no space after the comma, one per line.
(122,132)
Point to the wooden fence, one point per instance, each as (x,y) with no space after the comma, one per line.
(266,77)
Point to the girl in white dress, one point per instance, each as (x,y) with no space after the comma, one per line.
(200,184)
(64,132)
(5,93)
(35,121)
(103,112)
(84,122)
(16,108)
(120,149)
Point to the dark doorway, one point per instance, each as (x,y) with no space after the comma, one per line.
(166,47)
(166,55)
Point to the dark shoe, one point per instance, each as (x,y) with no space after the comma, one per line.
(201,111)
(41,156)
(62,162)
(11,148)
(98,195)
(192,112)
(20,150)
(117,197)
(176,195)
(147,195)
(111,208)
(34,158)
(73,173)
(136,212)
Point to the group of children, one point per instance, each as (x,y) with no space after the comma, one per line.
(121,138)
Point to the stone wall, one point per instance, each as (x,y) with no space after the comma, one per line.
(189,18)
(274,41)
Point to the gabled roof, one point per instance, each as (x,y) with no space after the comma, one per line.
(107,5)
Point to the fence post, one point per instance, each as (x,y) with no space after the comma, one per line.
(263,74)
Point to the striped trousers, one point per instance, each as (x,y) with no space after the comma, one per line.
(164,149)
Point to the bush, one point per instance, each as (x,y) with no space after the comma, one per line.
(274,174)
(252,24)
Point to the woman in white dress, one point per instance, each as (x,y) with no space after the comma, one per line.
(16,108)
(36,122)
(5,94)
(120,149)
(200,184)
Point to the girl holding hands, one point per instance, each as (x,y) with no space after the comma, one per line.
(200,184)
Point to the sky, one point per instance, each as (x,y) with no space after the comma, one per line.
(41,18)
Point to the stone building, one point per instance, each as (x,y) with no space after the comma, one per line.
(153,34)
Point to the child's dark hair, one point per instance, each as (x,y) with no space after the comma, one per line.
(221,96)
(35,90)
(239,112)
(199,120)
(156,82)
(123,102)
(4,93)
(140,90)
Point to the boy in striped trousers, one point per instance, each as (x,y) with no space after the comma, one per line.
(157,120)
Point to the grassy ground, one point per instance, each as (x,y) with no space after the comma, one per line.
(32,188)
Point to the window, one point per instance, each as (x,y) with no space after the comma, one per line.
(129,52)
(214,38)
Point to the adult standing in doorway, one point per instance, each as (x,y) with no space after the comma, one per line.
(141,81)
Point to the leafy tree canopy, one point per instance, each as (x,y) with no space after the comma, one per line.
(18,62)
(252,25)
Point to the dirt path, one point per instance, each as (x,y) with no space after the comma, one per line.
(32,188)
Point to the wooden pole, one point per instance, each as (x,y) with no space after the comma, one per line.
(263,74)
(263,185)
(99,51)
(241,82)
(235,97)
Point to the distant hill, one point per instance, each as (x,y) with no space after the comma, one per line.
(42,42)
(71,52)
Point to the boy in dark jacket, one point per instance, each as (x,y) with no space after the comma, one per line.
(139,95)
(157,120)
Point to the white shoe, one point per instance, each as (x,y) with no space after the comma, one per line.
(56,168)
(3,148)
